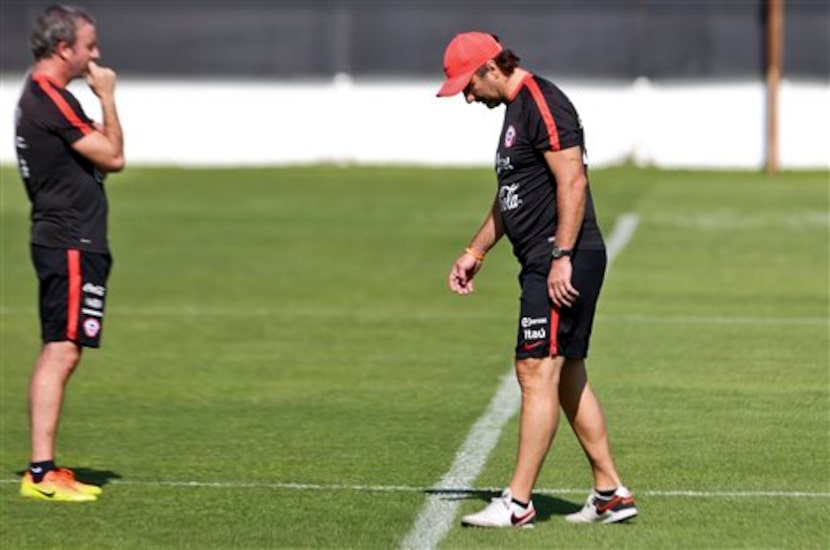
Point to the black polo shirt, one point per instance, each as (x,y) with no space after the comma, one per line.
(69,206)
(539,118)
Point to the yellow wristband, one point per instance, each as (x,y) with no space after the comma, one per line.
(475,253)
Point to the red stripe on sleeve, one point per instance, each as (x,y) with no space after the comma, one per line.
(73,261)
(547,117)
(49,88)
(554,332)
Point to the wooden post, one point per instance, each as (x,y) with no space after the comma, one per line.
(774,39)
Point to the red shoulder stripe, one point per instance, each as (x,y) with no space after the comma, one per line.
(49,88)
(547,117)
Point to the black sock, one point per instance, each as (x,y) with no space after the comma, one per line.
(607,494)
(520,503)
(40,469)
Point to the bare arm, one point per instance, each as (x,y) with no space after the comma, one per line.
(104,147)
(490,232)
(571,192)
(467,265)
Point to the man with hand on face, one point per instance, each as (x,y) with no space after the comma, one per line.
(544,206)
(63,157)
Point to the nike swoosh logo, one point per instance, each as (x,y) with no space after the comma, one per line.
(528,347)
(518,520)
(603,506)
(45,493)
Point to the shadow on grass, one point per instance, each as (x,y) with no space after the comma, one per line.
(88,475)
(546,505)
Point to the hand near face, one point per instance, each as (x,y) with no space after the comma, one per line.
(101,80)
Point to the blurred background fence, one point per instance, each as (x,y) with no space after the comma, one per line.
(670,83)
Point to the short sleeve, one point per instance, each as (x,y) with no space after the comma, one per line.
(65,117)
(553,122)
(70,123)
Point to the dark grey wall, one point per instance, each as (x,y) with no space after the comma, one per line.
(397,38)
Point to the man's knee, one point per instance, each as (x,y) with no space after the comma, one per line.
(532,371)
(62,356)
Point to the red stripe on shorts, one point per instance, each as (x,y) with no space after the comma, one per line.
(554,332)
(73,261)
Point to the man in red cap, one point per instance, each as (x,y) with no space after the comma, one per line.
(544,206)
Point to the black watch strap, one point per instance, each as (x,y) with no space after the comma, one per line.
(560,252)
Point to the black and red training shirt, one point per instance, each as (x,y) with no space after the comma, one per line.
(539,118)
(69,206)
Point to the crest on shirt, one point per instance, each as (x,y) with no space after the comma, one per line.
(509,136)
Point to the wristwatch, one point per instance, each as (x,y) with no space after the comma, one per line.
(557,252)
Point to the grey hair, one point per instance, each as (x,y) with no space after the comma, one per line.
(54,25)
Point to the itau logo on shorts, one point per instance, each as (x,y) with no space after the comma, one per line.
(92,327)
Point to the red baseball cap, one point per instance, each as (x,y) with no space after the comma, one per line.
(465,53)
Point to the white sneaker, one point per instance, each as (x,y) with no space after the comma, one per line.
(598,509)
(502,512)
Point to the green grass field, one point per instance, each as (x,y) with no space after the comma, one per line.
(283,365)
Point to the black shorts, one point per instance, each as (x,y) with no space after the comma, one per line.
(545,330)
(73,289)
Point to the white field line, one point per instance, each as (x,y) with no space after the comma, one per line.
(623,231)
(438,514)
(455,492)
(712,320)
(197,311)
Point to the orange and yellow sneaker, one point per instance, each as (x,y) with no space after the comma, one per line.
(56,486)
(80,486)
